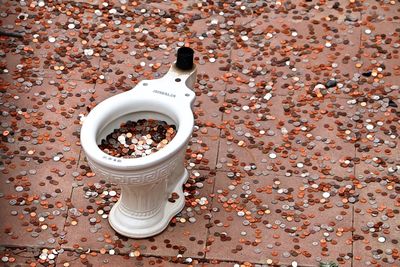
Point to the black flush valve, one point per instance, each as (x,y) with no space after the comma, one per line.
(184,59)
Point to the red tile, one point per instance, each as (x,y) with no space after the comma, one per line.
(65,56)
(212,54)
(122,69)
(292,55)
(276,219)
(18,66)
(376,146)
(381,11)
(72,259)
(220,263)
(202,153)
(254,65)
(46,61)
(18,257)
(33,201)
(375,221)
(15,18)
(251,130)
(46,122)
(379,70)
(208,118)
(379,66)
(284,148)
(322,138)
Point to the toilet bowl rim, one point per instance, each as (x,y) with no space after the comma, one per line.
(185,121)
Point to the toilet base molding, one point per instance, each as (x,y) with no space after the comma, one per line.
(142,227)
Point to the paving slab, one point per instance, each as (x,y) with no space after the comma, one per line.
(33,198)
(278,220)
(129,61)
(376,221)
(212,54)
(260,136)
(17,64)
(202,153)
(379,66)
(72,258)
(46,121)
(221,263)
(18,257)
(297,51)
(208,118)
(250,130)
(376,138)
(54,52)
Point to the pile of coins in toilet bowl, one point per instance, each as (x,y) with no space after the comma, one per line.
(134,139)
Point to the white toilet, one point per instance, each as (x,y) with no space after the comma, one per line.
(143,209)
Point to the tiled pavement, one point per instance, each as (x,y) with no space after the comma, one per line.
(294,160)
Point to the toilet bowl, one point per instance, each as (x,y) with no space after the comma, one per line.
(143,209)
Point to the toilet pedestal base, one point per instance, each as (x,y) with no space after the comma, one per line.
(137,227)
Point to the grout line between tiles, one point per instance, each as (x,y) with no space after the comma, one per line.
(145,255)
(269,174)
(201,260)
(26,247)
(352,216)
(360,42)
(217,157)
(355,165)
(72,189)
(285,95)
(352,235)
